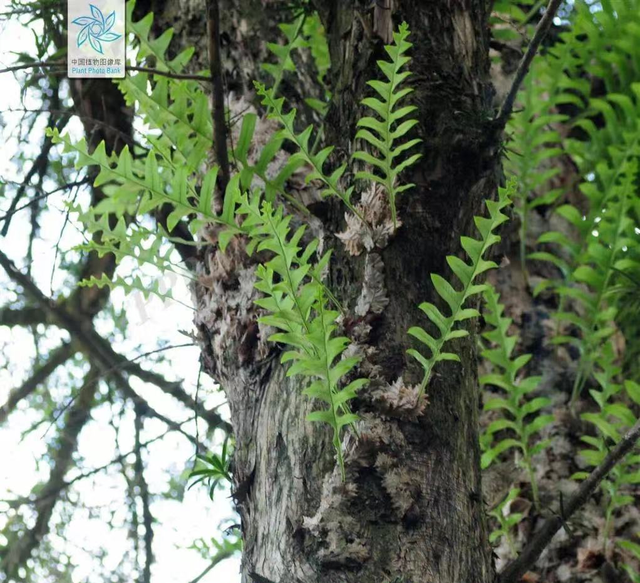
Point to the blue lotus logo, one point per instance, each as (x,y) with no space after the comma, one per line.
(95,29)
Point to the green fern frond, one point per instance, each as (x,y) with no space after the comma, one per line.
(294,40)
(133,242)
(142,188)
(592,274)
(132,284)
(384,132)
(306,31)
(612,420)
(466,273)
(296,305)
(633,548)
(599,187)
(534,146)
(316,39)
(506,519)
(272,185)
(155,49)
(516,408)
(304,155)
(183,117)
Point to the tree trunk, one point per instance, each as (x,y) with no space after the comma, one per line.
(410,509)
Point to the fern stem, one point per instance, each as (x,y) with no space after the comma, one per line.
(283,254)
(523,243)
(308,156)
(327,365)
(451,322)
(535,493)
(289,46)
(388,160)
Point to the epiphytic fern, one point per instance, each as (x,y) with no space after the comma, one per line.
(466,273)
(294,40)
(594,262)
(316,39)
(384,132)
(154,50)
(611,421)
(297,306)
(516,407)
(272,185)
(633,548)
(181,113)
(305,154)
(139,245)
(141,187)
(534,145)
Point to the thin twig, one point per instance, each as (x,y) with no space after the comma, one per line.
(514,570)
(43,196)
(77,417)
(185,76)
(111,129)
(39,167)
(219,121)
(541,31)
(170,74)
(56,358)
(17,502)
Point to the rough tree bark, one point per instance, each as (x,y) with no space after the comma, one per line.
(410,509)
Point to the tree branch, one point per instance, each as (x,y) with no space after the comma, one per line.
(76,418)
(173,388)
(27,316)
(219,121)
(99,351)
(16,502)
(43,196)
(541,31)
(39,166)
(143,489)
(530,554)
(127,391)
(48,64)
(57,357)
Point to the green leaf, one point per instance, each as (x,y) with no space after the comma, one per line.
(455,300)
(383,132)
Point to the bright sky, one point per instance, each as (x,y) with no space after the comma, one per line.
(87,537)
